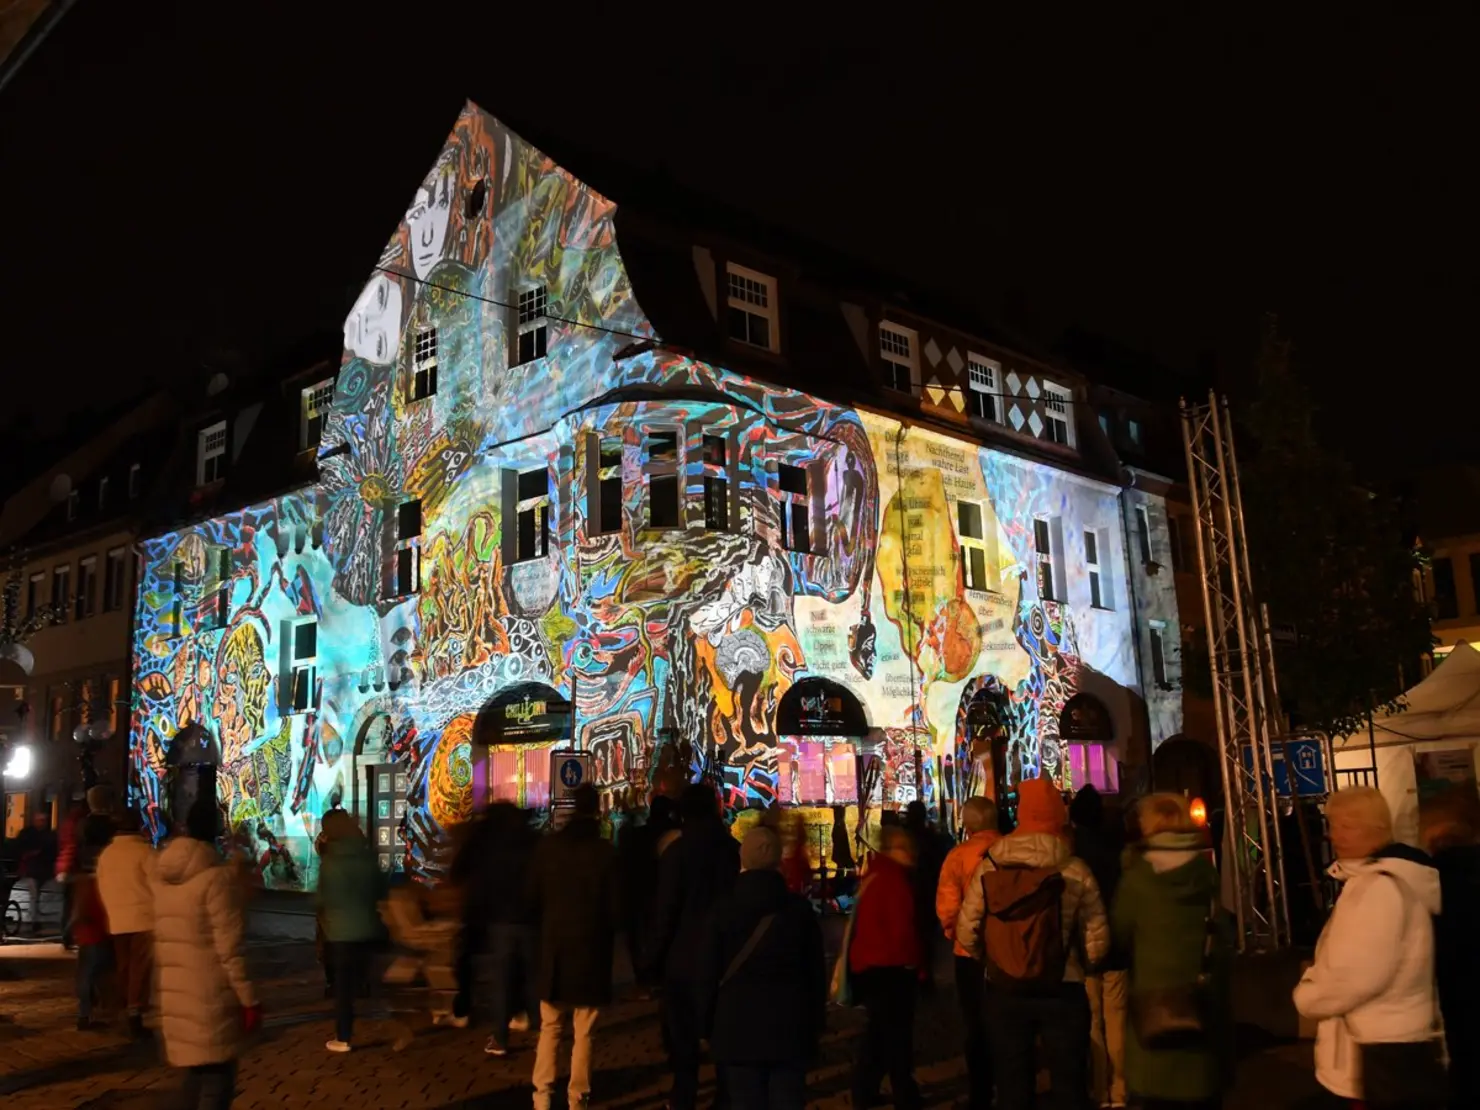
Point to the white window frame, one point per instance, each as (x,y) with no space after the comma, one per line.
(532,317)
(103,493)
(1100,596)
(717,481)
(662,468)
(87,586)
(306,666)
(1049,564)
(1143,534)
(210,445)
(986,543)
(404,544)
(596,522)
(982,376)
(426,347)
(1160,675)
(1058,406)
(742,288)
(1133,431)
(903,353)
(314,402)
(787,502)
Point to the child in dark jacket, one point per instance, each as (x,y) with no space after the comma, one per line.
(90,935)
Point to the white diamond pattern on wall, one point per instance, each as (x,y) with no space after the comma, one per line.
(1013,382)
(955,361)
(1035,424)
(1015,418)
(932,352)
(934,391)
(1033,390)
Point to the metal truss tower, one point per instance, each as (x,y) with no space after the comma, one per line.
(1244,699)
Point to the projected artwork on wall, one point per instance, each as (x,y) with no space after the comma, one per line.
(517,490)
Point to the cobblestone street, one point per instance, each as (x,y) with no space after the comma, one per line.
(45,1062)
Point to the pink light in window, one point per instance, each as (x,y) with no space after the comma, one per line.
(813,786)
(844,767)
(783,777)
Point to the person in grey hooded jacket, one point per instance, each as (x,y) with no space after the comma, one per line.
(206,1000)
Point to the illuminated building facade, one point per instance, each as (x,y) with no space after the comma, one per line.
(526,482)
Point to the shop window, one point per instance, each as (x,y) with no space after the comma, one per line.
(791,482)
(660,470)
(716,484)
(520,773)
(1094,765)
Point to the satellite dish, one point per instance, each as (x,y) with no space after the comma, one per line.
(18,654)
(61,486)
(217,384)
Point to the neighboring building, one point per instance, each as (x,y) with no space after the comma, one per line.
(1447,508)
(71,531)
(755,513)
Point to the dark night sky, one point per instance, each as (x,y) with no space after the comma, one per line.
(178,183)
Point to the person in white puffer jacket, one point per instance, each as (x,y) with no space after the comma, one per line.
(1372,981)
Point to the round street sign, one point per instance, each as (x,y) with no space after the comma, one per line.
(571,773)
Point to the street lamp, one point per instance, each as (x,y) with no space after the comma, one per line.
(18,766)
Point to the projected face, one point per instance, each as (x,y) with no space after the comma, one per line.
(373,329)
(426,220)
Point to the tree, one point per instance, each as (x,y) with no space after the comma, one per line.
(1328,557)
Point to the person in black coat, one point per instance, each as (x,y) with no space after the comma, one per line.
(637,848)
(574,894)
(1100,843)
(763,983)
(694,873)
(1451,835)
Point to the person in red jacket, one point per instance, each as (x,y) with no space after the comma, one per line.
(885,968)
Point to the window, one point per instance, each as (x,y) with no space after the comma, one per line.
(405,568)
(87,586)
(115,703)
(1092,565)
(607,517)
(897,349)
(133,481)
(978,561)
(103,493)
(210,454)
(221,569)
(179,596)
(533,328)
(531,513)
(1446,601)
(316,402)
(792,483)
(303,665)
(1133,432)
(424,365)
(61,581)
(1183,557)
(661,472)
(1105,423)
(1158,654)
(982,376)
(34,585)
(1143,532)
(752,303)
(716,484)
(113,581)
(1094,765)
(1056,402)
(1044,556)
(73,499)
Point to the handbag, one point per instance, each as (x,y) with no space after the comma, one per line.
(1177,1017)
(842,979)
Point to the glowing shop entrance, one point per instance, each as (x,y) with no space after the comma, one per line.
(512,740)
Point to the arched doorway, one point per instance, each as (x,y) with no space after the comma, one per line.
(1087,745)
(981,763)
(818,725)
(513,736)
(191,758)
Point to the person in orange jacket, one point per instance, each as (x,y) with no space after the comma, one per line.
(979,818)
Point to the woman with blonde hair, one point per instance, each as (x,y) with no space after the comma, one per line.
(1168,921)
(1371,987)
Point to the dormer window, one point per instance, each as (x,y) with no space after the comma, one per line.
(72,501)
(982,375)
(103,493)
(210,454)
(1056,406)
(424,365)
(133,481)
(533,326)
(752,305)
(897,350)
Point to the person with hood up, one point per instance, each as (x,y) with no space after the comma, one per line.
(979,818)
(694,873)
(1450,830)
(206,1000)
(1371,986)
(575,896)
(885,967)
(1100,844)
(763,942)
(1033,915)
(351,888)
(125,868)
(1168,922)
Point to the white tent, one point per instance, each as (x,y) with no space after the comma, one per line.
(1440,727)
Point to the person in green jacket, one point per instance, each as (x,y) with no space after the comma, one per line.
(1165,913)
(351,887)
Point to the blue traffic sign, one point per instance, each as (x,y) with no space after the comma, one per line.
(572,772)
(1309,767)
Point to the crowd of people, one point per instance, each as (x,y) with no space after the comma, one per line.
(1085,948)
